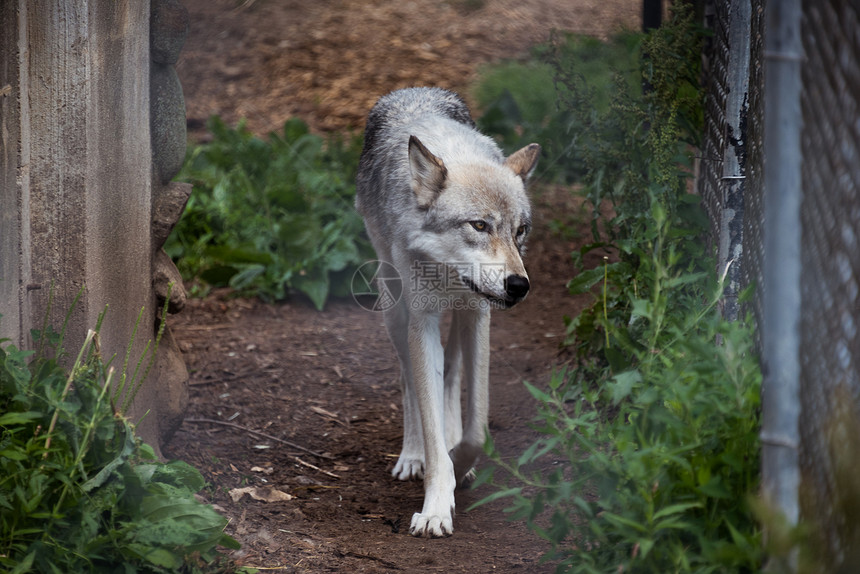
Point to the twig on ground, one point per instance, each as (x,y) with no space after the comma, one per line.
(262,434)
(382,561)
(309,465)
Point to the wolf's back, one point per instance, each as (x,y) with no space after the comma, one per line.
(404,106)
(383,158)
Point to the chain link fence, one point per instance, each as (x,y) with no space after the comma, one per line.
(830,281)
(822,432)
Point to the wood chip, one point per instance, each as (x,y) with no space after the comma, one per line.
(329,415)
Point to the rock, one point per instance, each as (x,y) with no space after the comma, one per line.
(167,122)
(171,380)
(168,27)
(168,203)
(165,273)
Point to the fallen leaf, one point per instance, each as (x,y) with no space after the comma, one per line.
(262,493)
(266,470)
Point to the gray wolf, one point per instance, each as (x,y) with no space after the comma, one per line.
(450,214)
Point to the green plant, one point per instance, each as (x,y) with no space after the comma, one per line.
(266,216)
(657,439)
(638,158)
(79,492)
(648,447)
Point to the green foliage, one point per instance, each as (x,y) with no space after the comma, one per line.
(519,100)
(267,216)
(648,447)
(658,440)
(79,492)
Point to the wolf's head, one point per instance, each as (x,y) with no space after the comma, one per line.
(476,218)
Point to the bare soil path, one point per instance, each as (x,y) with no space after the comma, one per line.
(327,381)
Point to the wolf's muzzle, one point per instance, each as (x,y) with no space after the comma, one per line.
(516,288)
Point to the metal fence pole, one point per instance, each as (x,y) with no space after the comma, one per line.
(782,243)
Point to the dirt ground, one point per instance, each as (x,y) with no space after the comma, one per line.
(285,399)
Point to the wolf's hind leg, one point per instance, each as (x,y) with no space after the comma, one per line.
(475,340)
(453,377)
(453,385)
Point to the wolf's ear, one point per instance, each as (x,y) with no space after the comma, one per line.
(523,161)
(428,172)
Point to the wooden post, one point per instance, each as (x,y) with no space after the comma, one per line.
(78,191)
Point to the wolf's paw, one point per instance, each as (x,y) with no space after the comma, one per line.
(464,456)
(408,468)
(431,526)
(436,518)
(467,479)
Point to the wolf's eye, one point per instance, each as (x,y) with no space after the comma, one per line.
(521,230)
(480,225)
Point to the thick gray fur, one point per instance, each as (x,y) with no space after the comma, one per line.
(432,189)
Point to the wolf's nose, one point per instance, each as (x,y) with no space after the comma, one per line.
(516,286)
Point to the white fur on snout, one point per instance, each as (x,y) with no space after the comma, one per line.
(488,277)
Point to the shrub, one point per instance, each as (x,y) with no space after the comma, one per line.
(79,492)
(648,444)
(267,216)
(649,450)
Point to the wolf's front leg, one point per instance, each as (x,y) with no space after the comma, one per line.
(475,342)
(425,351)
(410,464)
